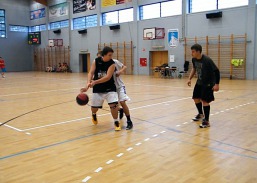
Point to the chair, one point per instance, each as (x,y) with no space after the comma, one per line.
(173,71)
(186,68)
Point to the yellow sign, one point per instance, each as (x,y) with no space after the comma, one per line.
(106,3)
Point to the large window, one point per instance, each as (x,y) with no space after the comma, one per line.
(204,5)
(2,24)
(85,22)
(162,9)
(38,28)
(231,3)
(119,16)
(19,28)
(60,24)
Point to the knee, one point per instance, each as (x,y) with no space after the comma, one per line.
(114,106)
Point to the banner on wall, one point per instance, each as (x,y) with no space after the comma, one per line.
(37,14)
(83,5)
(106,3)
(173,38)
(58,10)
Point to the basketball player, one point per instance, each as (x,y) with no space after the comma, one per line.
(208,78)
(2,67)
(121,90)
(100,78)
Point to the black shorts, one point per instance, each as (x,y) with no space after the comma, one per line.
(204,93)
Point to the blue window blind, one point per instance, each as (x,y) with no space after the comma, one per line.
(19,28)
(60,24)
(79,23)
(2,24)
(91,21)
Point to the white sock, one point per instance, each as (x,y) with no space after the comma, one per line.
(115,120)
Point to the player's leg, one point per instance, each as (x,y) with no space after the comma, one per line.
(207,98)
(3,71)
(197,99)
(97,102)
(123,97)
(112,99)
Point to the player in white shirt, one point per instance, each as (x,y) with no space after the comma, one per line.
(121,90)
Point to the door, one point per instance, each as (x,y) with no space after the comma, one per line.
(158,58)
(84,63)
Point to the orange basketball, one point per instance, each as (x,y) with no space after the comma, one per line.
(82,99)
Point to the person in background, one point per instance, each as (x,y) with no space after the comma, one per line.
(2,67)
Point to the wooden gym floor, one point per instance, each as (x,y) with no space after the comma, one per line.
(55,141)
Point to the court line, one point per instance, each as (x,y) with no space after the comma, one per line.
(74,120)
(45,91)
(14,128)
(55,144)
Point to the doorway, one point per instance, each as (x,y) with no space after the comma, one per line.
(158,58)
(84,62)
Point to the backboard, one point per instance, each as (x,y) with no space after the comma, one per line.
(153,33)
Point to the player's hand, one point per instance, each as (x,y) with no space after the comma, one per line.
(118,73)
(82,90)
(216,87)
(92,84)
(189,82)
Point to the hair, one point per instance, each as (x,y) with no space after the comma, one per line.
(197,47)
(107,50)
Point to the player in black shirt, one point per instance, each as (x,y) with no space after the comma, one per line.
(208,78)
(100,78)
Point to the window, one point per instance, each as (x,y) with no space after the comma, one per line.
(231,3)
(85,22)
(119,16)
(171,8)
(2,24)
(19,28)
(202,5)
(126,15)
(91,21)
(38,28)
(150,11)
(79,23)
(111,18)
(60,24)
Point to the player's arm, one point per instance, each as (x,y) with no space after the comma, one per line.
(89,77)
(217,76)
(123,68)
(192,73)
(106,78)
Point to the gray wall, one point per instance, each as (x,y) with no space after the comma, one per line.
(238,21)
(15,49)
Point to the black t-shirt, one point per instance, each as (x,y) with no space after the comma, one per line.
(101,71)
(205,69)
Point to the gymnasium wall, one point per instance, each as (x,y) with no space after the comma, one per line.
(236,21)
(15,49)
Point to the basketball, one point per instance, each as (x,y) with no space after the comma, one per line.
(82,99)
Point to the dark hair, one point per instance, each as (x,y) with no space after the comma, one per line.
(197,47)
(107,50)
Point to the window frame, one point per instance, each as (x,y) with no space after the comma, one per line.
(40,28)
(11,25)
(118,11)
(5,31)
(86,22)
(60,23)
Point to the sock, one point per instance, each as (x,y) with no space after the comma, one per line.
(128,118)
(199,107)
(206,112)
(115,120)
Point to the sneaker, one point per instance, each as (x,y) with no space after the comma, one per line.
(117,126)
(94,119)
(198,117)
(205,124)
(121,113)
(129,125)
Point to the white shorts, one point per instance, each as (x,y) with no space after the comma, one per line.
(98,99)
(122,94)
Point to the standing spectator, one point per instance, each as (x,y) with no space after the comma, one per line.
(2,66)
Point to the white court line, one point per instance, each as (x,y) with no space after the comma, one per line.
(98,169)
(70,121)
(28,133)
(86,179)
(119,155)
(17,129)
(147,139)
(222,111)
(138,144)
(178,125)
(46,91)
(155,135)
(163,131)
(129,149)
(185,123)
(109,162)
